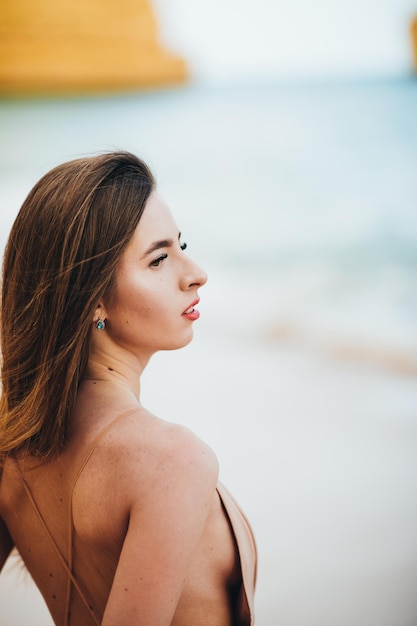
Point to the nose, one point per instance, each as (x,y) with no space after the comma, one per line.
(193,276)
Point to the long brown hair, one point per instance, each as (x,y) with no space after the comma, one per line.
(60,259)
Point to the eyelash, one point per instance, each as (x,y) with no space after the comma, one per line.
(161,258)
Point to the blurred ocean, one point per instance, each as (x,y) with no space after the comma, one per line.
(299,199)
(305,190)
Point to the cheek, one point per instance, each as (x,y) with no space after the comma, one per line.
(138,304)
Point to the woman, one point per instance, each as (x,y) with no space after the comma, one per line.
(117,514)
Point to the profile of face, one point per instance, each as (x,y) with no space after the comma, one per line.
(152,304)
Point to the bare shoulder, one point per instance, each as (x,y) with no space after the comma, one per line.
(156,454)
(169,477)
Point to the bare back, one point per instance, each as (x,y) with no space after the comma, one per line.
(93,509)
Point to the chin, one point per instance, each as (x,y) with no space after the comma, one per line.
(180,343)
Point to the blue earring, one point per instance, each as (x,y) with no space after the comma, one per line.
(100,324)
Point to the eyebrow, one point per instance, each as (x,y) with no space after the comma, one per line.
(157,245)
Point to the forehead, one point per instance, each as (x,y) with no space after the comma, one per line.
(156,223)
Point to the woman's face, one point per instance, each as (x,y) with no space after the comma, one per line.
(152,305)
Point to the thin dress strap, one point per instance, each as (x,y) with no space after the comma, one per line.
(68,563)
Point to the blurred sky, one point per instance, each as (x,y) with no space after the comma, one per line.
(236,39)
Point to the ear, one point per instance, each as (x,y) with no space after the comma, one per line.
(99,313)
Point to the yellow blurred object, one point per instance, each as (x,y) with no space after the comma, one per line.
(75,46)
(413,30)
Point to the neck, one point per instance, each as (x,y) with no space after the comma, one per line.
(114,374)
(113,363)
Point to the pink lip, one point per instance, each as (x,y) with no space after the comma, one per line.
(194,314)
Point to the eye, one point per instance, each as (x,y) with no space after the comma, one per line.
(158,261)
(183,246)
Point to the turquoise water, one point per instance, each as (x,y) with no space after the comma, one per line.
(307,189)
(324,169)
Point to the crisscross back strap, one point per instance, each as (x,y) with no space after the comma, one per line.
(82,465)
(67,564)
(55,546)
